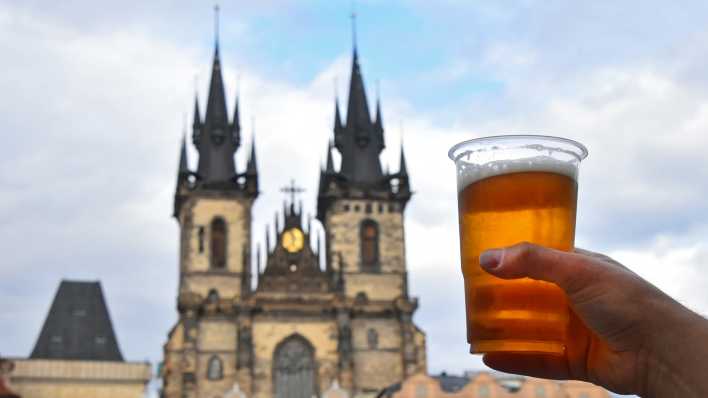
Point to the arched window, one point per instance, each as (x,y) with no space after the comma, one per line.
(215,368)
(369,236)
(294,369)
(218,243)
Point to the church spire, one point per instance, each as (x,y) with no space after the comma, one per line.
(218,139)
(403,169)
(197,122)
(359,142)
(337,116)
(358,107)
(252,166)
(236,125)
(216,103)
(183,166)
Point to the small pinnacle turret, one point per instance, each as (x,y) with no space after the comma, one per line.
(183,165)
(251,175)
(337,118)
(236,125)
(215,137)
(196,123)
(359,141)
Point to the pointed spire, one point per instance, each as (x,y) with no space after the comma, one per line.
(183,166)
(379,119)
(236,125)
(267,236)
(216,103)
(330,163)
(337,116)
(197,121)
(277,224)
(258,259)
(252,167)
(403,169)
(358,107)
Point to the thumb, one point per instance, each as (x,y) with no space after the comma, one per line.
(570,271)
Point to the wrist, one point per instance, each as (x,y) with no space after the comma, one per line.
(675,352)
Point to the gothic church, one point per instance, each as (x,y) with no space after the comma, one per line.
(293,328)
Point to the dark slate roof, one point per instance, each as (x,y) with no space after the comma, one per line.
(360,141)
(216,139)
(78,326)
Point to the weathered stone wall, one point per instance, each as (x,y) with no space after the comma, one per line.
(199,212)
(376,286)
(387,330)
(217,337)
(374,370)
(343,235)
(268,333)
(39,378)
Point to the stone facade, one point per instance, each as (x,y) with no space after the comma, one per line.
(37,378)
(359,325)
(330,321)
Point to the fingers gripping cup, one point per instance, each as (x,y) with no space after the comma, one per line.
(511,189)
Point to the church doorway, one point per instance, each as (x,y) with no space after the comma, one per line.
(294,369)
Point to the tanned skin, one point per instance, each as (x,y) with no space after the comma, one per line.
(625,334)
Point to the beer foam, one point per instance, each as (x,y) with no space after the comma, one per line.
(469,173)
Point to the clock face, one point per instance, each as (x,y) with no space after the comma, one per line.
(293,240)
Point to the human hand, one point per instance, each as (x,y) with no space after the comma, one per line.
(624,333)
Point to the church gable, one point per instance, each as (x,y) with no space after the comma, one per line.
(292,266)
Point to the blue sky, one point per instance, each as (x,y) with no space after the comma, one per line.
(95,97)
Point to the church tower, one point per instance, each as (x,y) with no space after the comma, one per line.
(327,317)
(213,208)
(362,210)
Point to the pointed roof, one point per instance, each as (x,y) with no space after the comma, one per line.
(337,116)
(78,326)
(379,119)
(252,167)
(358,107)
(197,121)
(403,169)
(237,119)
(216,103)
(183,166)
(359,142)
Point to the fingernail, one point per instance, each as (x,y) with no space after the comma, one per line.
(491,259)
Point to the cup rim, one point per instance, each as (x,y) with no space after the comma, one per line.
(580,152)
